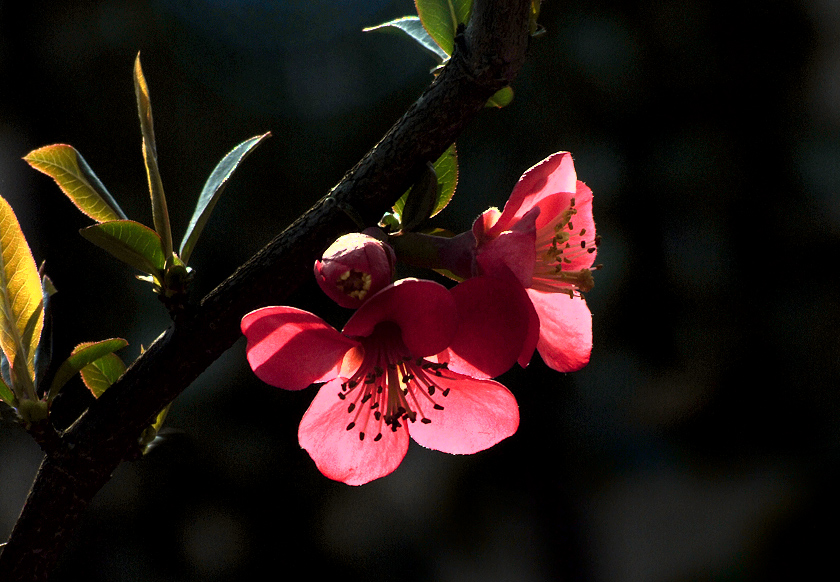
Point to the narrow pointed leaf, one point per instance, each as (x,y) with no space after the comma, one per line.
(6,394)
(441,18)
(500,98)
(100,374)
(412,26)
(20,297)
(130,242)
(71,172)
(160,213)
(83,355)
(446,168)
(43,354)
(212,190)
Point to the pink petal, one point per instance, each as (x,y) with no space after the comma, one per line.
(554,174)
(291,348)
(565,330)
(512,250)
(497,324)
(476,415)
(339,453)
(425,311)
(482,225)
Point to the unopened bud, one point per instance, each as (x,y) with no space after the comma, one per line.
(355,267)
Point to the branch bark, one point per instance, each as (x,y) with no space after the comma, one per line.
(487,57)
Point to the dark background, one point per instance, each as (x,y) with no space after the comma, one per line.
(701,442)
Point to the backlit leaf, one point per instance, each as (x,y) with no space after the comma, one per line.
(83,355)
(412,26)
(500,98)
(6,394)
(100,374)
(20,300)
(130,242)
(71,172)
(441,18)
(160,213)
(212,190)
(446,168)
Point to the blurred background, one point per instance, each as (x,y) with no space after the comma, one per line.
(701,442)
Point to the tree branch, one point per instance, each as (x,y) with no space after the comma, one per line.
(487,57)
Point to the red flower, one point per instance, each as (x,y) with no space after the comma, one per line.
(384,380)
(546,236)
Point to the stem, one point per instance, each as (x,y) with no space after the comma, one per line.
(485,59)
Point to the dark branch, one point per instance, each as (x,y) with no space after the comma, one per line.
(486,59)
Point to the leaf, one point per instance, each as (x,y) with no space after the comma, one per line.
(500,98)
(6,394)
(421,199)
(100,374)
(412,26)
(130,242)
(533,14)
(446,168)
(20,299)
(83,355)
(160,213)
(441,18)
(71,172)
(213,189)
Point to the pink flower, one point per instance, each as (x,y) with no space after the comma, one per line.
(545,236)
(384,380)
(355,267)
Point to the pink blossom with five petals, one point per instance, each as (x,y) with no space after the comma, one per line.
(384,380)
(546,236)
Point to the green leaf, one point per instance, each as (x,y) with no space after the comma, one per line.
(533,14)
(20,302)
(412,26)
(100,374)
(212,190)
(421,199)
(160,213)
(130,242)
(500,98)
(71,172)
(6,394)
(83,355)
(446,168)
(441,18)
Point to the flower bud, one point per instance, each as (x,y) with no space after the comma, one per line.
(355,267)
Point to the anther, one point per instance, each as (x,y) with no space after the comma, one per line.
(377,437)
(425,420)
(446,392)
(341,395)
(351,407)
(351,425)
(361,436)
(438,407)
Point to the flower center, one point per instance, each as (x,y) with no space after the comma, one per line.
(391,387)
(354,283)
(561,250)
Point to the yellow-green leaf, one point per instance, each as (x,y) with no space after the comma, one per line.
(500,98)
(20,298)
(100,374)
(71,172)
(6,394)
(131,242)
(160,214)
(441,18)
(83,355)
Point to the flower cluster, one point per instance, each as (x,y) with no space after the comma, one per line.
(415,360)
